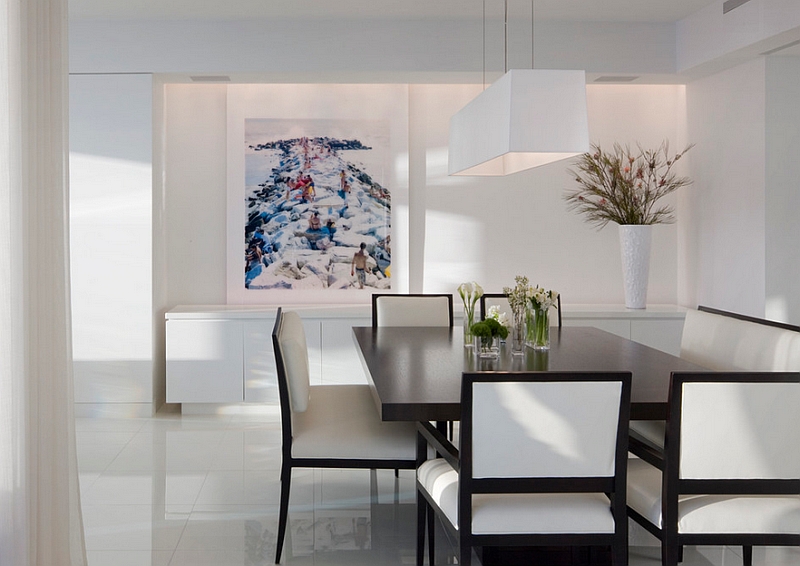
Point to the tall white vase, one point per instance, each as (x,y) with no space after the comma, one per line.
(634,242)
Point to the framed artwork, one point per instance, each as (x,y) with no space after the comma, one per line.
(317,205)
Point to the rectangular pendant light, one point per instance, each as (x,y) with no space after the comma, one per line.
(527,118)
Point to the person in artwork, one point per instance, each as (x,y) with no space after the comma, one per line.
(330,227)
(260,238)
(309,191)
(359,265)
(253,265)
(314,222)
(383,254)
(262,242)
(304,184)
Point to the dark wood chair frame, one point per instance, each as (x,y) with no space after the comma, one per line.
(667,461)
(288,461)
(614,487)
(746,318)
(376,296)
(503,295)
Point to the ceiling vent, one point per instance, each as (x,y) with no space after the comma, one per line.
(615,79)
(210,79)
(729,5)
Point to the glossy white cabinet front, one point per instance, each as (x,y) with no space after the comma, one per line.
(204,361)
(224,355)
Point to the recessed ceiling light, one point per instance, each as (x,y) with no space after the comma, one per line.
(729,5)
(210,79)
(615,79)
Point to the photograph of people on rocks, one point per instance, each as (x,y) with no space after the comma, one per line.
(318,211)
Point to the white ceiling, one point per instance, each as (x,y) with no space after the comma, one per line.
(575,10)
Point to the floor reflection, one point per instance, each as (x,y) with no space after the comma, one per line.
(178,490)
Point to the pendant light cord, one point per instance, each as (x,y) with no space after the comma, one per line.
(505,38)
(484,44)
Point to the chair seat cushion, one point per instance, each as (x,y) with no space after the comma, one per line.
(517,513)
(342,421)
(712,513)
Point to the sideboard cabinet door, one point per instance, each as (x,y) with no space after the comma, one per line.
(260,374)
(204,361)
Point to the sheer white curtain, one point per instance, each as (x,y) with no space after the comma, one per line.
(40,519)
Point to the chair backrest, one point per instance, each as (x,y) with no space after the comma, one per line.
(500,300)
(544,425)
(734,426)
(412,310)
(291,361)
(724,341)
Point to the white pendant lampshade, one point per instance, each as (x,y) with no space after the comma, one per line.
(527,118)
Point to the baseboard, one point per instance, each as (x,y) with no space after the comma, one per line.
(229,409)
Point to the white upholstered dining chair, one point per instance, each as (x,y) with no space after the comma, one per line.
(432,310)
(328,426)
(728,472)
(725,341)
(412,309)
(542,461)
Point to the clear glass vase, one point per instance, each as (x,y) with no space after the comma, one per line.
(530,327)
(518,332)
(469,320)
(487,346)
(539,329)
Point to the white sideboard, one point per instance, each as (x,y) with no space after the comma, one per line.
(223,354)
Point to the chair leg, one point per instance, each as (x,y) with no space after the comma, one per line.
(422,506)
(747,555)
(619,554)
(283,514)
(464,552)
(431,535)
(669,553)
(680,553)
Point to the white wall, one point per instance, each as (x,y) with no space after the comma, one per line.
(195,189)
(187,212)
(111,258)
(782,188)
(461,228)
(709,40)
(722,218)
(726,251)
(341,50)
(491,229)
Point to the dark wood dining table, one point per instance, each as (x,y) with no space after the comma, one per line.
(415,372)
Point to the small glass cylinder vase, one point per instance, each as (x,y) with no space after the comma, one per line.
(487,346)
(518,332)
(530,327)
(469,320)
(539,334)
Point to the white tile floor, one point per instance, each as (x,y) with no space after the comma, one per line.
(203,490)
